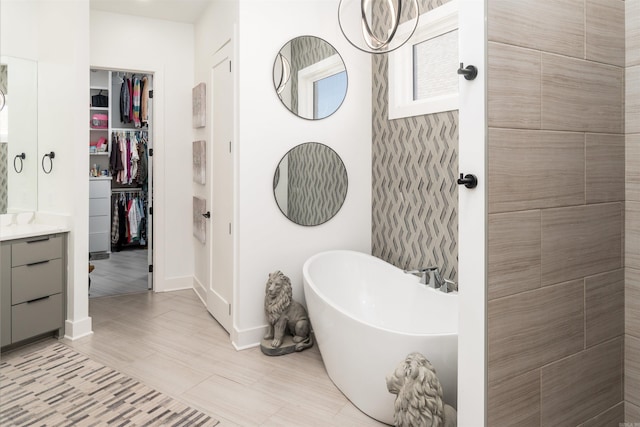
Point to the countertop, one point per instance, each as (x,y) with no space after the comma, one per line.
(30,225)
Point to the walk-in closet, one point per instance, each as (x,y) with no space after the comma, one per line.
(120,182)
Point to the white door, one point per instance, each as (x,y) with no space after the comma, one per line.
(220,288)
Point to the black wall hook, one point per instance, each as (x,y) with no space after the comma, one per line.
(207,215)
(469,180)
(51,156)
(469,72)
(21,157)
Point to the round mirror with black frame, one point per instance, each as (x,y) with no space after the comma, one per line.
(310,184)
(310,77)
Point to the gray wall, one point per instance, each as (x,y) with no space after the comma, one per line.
(556,201)
(317,184)
(415,197)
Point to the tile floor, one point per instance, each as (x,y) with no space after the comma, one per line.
(170,342)
(123,272)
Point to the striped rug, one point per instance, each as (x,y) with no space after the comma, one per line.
(57,386)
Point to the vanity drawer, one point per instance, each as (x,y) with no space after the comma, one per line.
(33,318)
(99,224)
(99,207)
(99,242)
(33,281)
(35,250)
(99,188)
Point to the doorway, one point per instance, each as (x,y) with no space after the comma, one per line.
(120,182)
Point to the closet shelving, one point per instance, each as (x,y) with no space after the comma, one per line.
(107,188)
(100,82)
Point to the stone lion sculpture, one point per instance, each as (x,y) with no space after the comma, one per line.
(285,315)
(419,395)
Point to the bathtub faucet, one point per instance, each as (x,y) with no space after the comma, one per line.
(429,276)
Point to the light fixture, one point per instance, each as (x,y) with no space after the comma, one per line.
(372,25)
(285,73)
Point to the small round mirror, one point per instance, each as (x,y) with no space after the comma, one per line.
(310,184)
(310,77)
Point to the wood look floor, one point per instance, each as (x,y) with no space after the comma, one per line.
(170,342)
(123,272)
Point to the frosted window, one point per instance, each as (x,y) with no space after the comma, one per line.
(435,62)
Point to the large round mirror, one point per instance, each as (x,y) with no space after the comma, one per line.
(310,78)
(310,184)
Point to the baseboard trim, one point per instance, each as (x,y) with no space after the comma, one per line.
(78,329)
(200,290)
(247,338)
(174,284)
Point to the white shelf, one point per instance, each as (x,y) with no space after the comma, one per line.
(99,130)
(99,108)
(143,129)
(102,153)
(98,88)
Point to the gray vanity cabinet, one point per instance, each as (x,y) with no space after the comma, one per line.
(33,287)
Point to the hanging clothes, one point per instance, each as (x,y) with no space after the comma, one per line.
(143,162)
(144,102)
(133,158)
(125,101)
(130,84)
(136,101)
(134,219)
(115,222)
(129,225)
(122,173)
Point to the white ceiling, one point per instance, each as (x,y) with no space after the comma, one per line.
(171,10)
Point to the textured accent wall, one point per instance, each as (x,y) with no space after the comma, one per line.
(4,175)
(306,51)
(415,197)
(632,214)
(317,184)
(556,161)
(3,78)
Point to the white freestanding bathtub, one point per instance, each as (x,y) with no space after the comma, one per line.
(367,316)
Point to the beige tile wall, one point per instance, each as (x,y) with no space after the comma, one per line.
(632,213)
(556,202)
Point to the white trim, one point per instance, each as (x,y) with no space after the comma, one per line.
(400,67)
(200,290)
(173,284)
(74,330)
(311,74)
(247,338)
(472,220)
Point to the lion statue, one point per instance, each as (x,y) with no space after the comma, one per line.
(285,315)
(419,395)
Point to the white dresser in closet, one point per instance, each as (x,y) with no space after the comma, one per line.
(100,214)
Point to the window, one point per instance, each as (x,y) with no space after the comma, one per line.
(423,73)
(322,87)
(328,94)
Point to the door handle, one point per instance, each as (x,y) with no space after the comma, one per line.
(207,215)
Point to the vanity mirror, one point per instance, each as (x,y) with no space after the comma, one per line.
(18,135)
(310,77)
(310,184)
